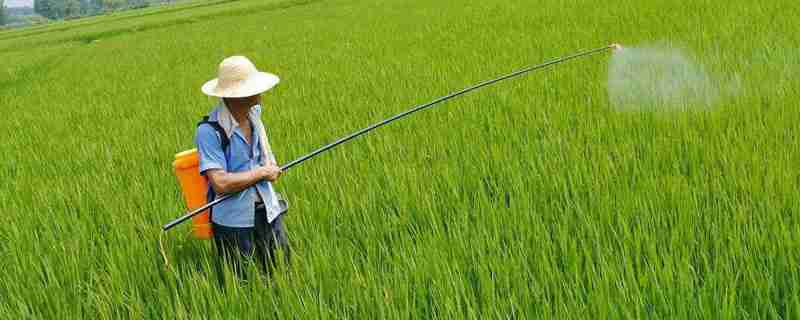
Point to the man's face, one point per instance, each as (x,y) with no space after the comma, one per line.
(246,101)
(254,100)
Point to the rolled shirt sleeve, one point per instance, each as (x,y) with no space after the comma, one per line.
(209,147)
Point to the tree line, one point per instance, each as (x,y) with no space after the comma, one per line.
(65,9)
(2,12)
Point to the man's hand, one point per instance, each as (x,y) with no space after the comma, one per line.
(270,172)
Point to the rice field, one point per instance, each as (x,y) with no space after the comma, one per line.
(534,198)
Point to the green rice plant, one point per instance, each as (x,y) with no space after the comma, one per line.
(535,198)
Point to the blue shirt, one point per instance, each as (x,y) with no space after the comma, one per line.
(237,211)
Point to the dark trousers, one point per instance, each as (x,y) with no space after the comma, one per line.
(238,246)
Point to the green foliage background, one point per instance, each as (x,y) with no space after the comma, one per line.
(534,198)
(2,12)
(67,9)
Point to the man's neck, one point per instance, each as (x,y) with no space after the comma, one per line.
(240,113)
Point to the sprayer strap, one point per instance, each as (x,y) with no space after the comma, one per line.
(222,135)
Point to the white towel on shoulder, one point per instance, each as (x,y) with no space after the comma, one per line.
(228,123)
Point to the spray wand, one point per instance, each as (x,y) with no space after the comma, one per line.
(358,133)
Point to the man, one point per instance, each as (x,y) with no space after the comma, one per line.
(235,156)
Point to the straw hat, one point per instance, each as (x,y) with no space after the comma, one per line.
(239,78)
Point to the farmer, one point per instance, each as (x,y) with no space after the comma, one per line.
(234,154)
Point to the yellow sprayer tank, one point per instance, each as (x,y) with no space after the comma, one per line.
(195,189)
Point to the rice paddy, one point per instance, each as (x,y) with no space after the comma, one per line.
(534,198)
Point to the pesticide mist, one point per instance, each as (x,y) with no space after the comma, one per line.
(658,78)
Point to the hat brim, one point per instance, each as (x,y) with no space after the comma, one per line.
(255,84)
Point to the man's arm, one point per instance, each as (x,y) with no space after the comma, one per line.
(213,165)
(225,182)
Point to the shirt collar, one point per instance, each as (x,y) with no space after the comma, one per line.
(224,117)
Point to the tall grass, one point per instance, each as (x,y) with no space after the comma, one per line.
(534,198)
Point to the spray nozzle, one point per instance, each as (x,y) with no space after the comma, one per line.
(616,46)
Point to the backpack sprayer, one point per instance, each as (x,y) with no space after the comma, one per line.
(195,185)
